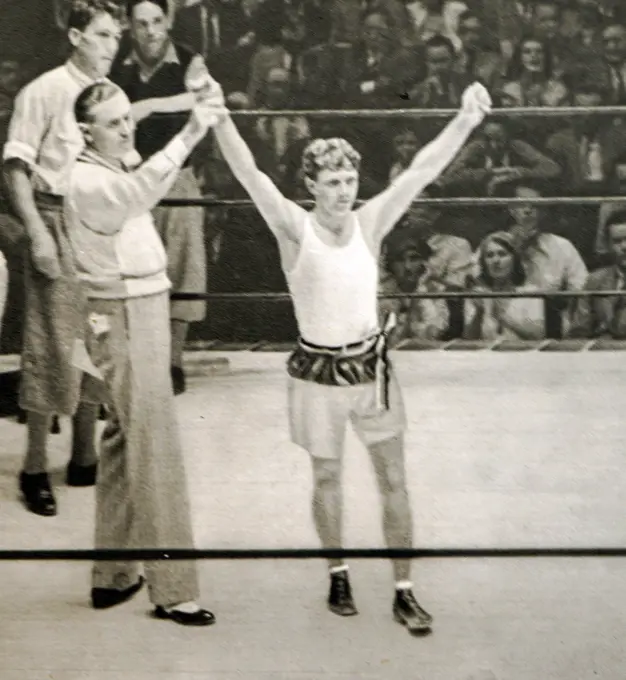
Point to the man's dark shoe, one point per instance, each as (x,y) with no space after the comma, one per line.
(37,494)
(105,598)
(408,612)
(340,600)
(202,617)
(81,475)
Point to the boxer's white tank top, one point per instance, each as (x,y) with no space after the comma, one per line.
(334,289)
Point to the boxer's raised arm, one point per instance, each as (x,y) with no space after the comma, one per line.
(380,214)
(284,217)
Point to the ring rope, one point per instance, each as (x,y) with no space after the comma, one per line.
(443,295)
(551,345)
(139,555)
(460,201)
(531,111)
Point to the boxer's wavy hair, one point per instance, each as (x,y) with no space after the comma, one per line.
(83,12)
(92,95)
(329,154)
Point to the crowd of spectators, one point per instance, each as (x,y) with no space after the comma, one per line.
(299,55)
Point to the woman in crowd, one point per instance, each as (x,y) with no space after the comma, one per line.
(531,80)
(500,269)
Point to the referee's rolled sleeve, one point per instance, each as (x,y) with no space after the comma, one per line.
(28,125)
(16,150)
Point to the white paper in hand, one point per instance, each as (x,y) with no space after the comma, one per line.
(82,361)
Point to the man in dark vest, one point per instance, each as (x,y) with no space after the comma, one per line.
(154,73)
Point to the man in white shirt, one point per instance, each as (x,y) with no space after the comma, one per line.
(340,371)
(141,494)
(43,140)
(551,262)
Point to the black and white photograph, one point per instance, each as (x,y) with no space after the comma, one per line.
(312,339)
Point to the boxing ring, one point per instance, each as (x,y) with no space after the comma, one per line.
(515,460)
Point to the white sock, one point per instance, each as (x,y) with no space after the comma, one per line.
(404,585)
(186,607)
(339,569)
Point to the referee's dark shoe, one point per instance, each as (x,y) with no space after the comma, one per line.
(37,494)
(200,617)
(408,612)
(340,600)
(105,598)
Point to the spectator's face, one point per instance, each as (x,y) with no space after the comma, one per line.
(439,61)
(376,33)
(614,41)
(471,33)
(547,20)
(533,57)
(617,233)
(495,135)
(277,92)
(111,130)
(407,267)
(334,191)
(95,47)
(498,262)
(405,146)
(526,214)
(149,28)
(9,76)
(508,101)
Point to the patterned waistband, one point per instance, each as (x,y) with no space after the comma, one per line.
(353,349)
(355,364)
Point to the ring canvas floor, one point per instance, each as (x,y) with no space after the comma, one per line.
(503,450)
